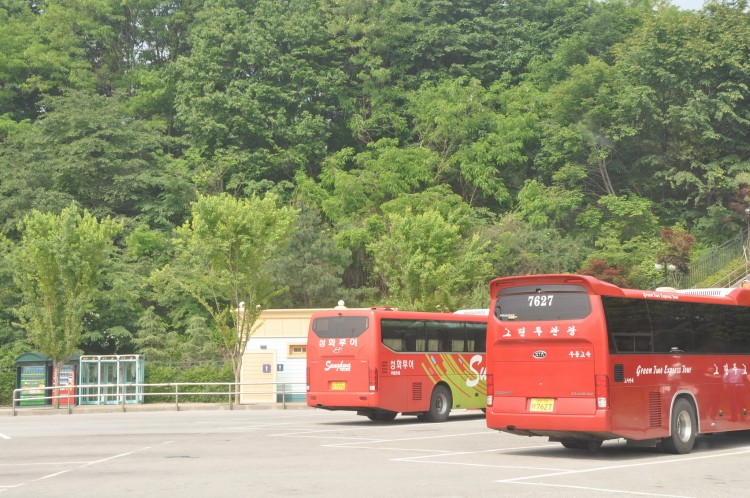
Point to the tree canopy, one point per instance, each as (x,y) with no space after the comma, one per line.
(428,147)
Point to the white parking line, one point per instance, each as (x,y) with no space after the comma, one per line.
(498,450)
(3,436)
(48,476)
(76,465)
(667,460)
(420,438)
(603,490)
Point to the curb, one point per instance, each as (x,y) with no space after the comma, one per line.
(147,407)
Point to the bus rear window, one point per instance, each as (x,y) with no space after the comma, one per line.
(542,303)
(331,327)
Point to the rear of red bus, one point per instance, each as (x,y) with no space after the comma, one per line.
(547,358)
(342,348)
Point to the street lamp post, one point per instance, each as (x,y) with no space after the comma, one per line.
(667,267)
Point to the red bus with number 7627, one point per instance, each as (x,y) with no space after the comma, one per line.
(380,362)
(582,361)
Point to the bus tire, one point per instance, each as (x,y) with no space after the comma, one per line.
(382,416)
(441,402)
(683,429)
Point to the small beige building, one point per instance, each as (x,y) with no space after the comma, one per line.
(276,357)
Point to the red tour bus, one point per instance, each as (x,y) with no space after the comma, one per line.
(581,361)
(380,362)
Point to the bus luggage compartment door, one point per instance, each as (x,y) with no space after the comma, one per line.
(340,375)
(543,378)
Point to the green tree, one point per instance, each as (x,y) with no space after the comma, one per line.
(59,268)
(259,93)
(691,72)
(426,264)
(627,236)
(88,149)
(12,338)
(222,260)
(312,266)
(520,247)
(42,52)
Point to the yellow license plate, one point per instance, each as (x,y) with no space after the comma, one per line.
(338,386)
(542,404)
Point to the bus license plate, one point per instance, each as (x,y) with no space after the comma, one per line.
(542,404)
(338,386)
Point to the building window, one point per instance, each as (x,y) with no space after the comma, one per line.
(297,351)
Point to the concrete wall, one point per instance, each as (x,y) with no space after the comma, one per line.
(278,331)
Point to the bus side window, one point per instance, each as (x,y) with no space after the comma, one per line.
(394,343)
(628,325)
(671,326)
(392,335)
(739,337)
(475,337)
(710,332)
(433,342)
(414,339)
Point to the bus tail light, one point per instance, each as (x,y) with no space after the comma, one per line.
(373,379)
(490,389)
(601,383)
(307,378)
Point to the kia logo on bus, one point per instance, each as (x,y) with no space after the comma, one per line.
(540,354)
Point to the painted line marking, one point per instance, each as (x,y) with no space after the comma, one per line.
(603,490)
(3,436)
(116,456)
(78,465)
(39,464)
(500,450)
(341,445)
(671,460)
(48,476)
(376,441)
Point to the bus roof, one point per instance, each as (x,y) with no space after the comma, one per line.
(484,311)
(414,315)
(595,286)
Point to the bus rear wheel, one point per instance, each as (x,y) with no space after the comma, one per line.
(683,429)
(441,402)
(381,416)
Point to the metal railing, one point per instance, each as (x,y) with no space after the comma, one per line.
(123,394)
(714,260)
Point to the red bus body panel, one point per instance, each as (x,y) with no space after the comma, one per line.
(347,361)
(544,360)
(339,371)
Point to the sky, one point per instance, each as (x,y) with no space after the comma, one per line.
(688,4)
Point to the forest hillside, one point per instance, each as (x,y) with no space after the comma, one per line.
(393,152)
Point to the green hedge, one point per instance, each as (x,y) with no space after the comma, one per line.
(212,372)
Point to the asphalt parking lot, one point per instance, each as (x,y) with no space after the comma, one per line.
(306,452)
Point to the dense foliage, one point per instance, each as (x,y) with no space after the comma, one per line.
(426,145)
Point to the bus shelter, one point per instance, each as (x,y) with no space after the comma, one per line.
(111,379)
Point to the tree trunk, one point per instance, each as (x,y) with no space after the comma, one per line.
(56,364)
(237,364)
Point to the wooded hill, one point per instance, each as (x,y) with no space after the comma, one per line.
(424,147)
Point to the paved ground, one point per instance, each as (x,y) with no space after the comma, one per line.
(265,451)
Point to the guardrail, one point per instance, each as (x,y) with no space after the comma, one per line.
(123,394)
(716,258)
